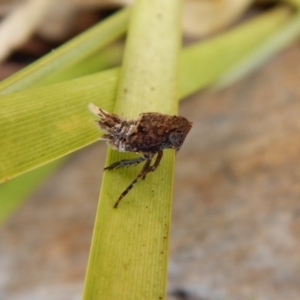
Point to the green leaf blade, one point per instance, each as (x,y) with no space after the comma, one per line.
(31,125)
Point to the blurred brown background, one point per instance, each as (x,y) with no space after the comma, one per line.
(236,212)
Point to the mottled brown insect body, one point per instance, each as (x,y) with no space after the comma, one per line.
(148,134)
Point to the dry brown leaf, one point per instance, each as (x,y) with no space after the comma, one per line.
(18,25)
(203,17)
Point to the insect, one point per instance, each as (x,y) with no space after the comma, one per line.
(148,134)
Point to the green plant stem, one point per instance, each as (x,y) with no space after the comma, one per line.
(129,253)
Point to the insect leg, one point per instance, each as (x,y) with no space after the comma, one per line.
(155,165)
(143,173)
(125,163)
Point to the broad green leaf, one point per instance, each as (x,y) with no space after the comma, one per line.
(13,192)
(129,253)
(109,57)
(41,124)
(76,58)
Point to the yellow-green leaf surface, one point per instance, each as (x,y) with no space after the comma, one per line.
(132,262)
(13,192)
(109,57)
(42,124)
(34,132)
(83,55)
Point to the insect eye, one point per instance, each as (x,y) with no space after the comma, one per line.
(175,138)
